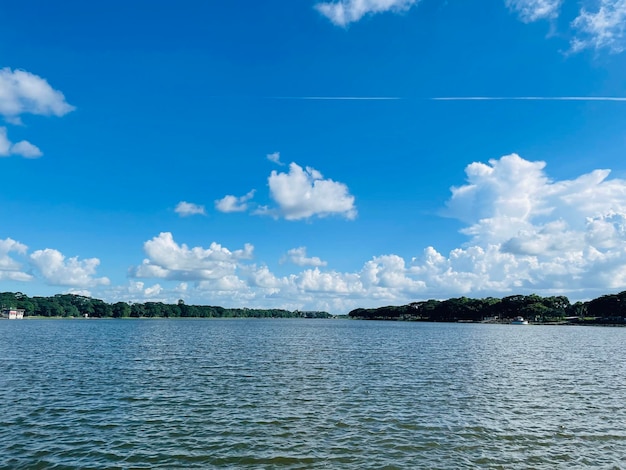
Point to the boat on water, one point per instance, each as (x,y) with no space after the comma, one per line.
(519,321)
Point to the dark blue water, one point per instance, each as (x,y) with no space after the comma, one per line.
(310,394)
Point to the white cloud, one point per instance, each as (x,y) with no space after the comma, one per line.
(344,12)
(275,158)
(298,257)
(22,148)
(59,271)
(527,233)
(233,203)
(185,209)
(169,260)
(533,10)
(303,193)
(603,29)
(10,269)
(23,92)
(5,143)
(153,291)
(26,149)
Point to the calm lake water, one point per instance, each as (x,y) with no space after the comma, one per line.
(310,394)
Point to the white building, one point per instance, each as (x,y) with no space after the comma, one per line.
(13,313)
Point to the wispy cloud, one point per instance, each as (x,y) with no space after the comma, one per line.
(533,10)
(185,209)
(344,12)
(274,158)
(605,28)
(299,257)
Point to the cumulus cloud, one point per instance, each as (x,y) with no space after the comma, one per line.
(22,148)
(344,12)
(169,260)
(298,257)
(304,193)
(526,233)
(529,231)
(59,271)
(185,209)
(601,29)
(231,203)
(23,92)
(10,269)
(533,10)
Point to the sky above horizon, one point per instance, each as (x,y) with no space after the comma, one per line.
(313,155)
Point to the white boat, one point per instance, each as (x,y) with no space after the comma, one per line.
(519,321)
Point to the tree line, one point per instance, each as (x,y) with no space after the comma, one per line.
(608,309)
(70,305)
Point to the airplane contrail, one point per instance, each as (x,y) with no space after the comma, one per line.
(529,98)
(456,98)
(341,98)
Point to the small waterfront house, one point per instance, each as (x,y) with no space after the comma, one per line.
(13,313)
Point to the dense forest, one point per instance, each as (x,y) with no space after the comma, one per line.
(69,305)
(608,309)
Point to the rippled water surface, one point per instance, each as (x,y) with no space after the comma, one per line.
(310,394)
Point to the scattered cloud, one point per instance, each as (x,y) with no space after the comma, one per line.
(298,257)
(22,148)
(304,193)
(59,271)
(22,92)
(533,10)
(603,29)
(233,203)
(527,233)
(185,209)
(344,12)
(10,269)
(275,158)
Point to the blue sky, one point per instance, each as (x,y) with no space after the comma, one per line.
(301,154)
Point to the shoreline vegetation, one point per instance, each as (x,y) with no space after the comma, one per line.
(78,306)
(555,310)
(604,310)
